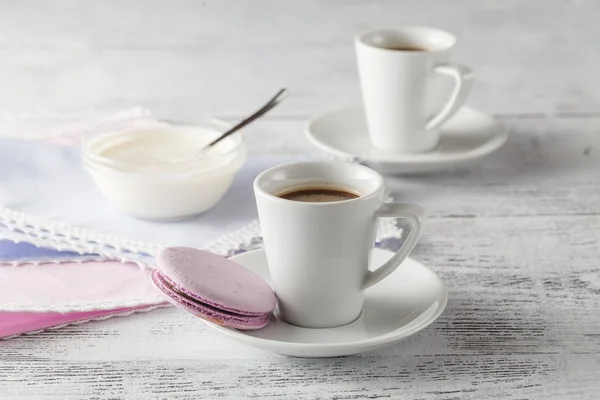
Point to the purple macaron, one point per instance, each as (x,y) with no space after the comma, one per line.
(214,288)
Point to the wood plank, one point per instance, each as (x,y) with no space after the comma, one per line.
(346,378)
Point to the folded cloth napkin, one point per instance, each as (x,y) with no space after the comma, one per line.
(75,286)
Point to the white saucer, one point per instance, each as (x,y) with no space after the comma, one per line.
(410,299)
(469,135)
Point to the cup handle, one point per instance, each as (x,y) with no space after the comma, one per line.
(416,215)
(463,77)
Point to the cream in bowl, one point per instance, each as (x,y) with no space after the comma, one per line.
(153,172)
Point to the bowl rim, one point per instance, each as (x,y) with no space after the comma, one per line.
(92,160)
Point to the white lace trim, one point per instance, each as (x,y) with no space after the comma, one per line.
(83,321)
(73,259)
(21,227)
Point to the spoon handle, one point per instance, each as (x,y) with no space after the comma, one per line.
(278,98)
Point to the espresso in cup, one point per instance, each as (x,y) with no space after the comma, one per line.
(318,195)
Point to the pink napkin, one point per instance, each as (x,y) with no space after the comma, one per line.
(44,288)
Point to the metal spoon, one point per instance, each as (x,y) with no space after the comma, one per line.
(278,98)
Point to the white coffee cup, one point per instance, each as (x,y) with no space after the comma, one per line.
(409,88)
(318,253)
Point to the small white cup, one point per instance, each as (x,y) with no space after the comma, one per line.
(318,253)
(406,93)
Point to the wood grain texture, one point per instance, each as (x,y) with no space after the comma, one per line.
(516,236)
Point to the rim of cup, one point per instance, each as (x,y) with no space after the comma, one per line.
(431,39)
(259,182)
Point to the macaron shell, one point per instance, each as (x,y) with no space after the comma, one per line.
(216,281)
(208,313)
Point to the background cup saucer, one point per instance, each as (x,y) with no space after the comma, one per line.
(467,136)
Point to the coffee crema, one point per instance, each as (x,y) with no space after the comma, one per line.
(318,195)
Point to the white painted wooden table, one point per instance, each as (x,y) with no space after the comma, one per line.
(516,236)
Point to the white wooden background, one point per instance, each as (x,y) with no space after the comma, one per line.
(516,236)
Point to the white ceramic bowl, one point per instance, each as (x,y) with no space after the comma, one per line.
(174,190)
